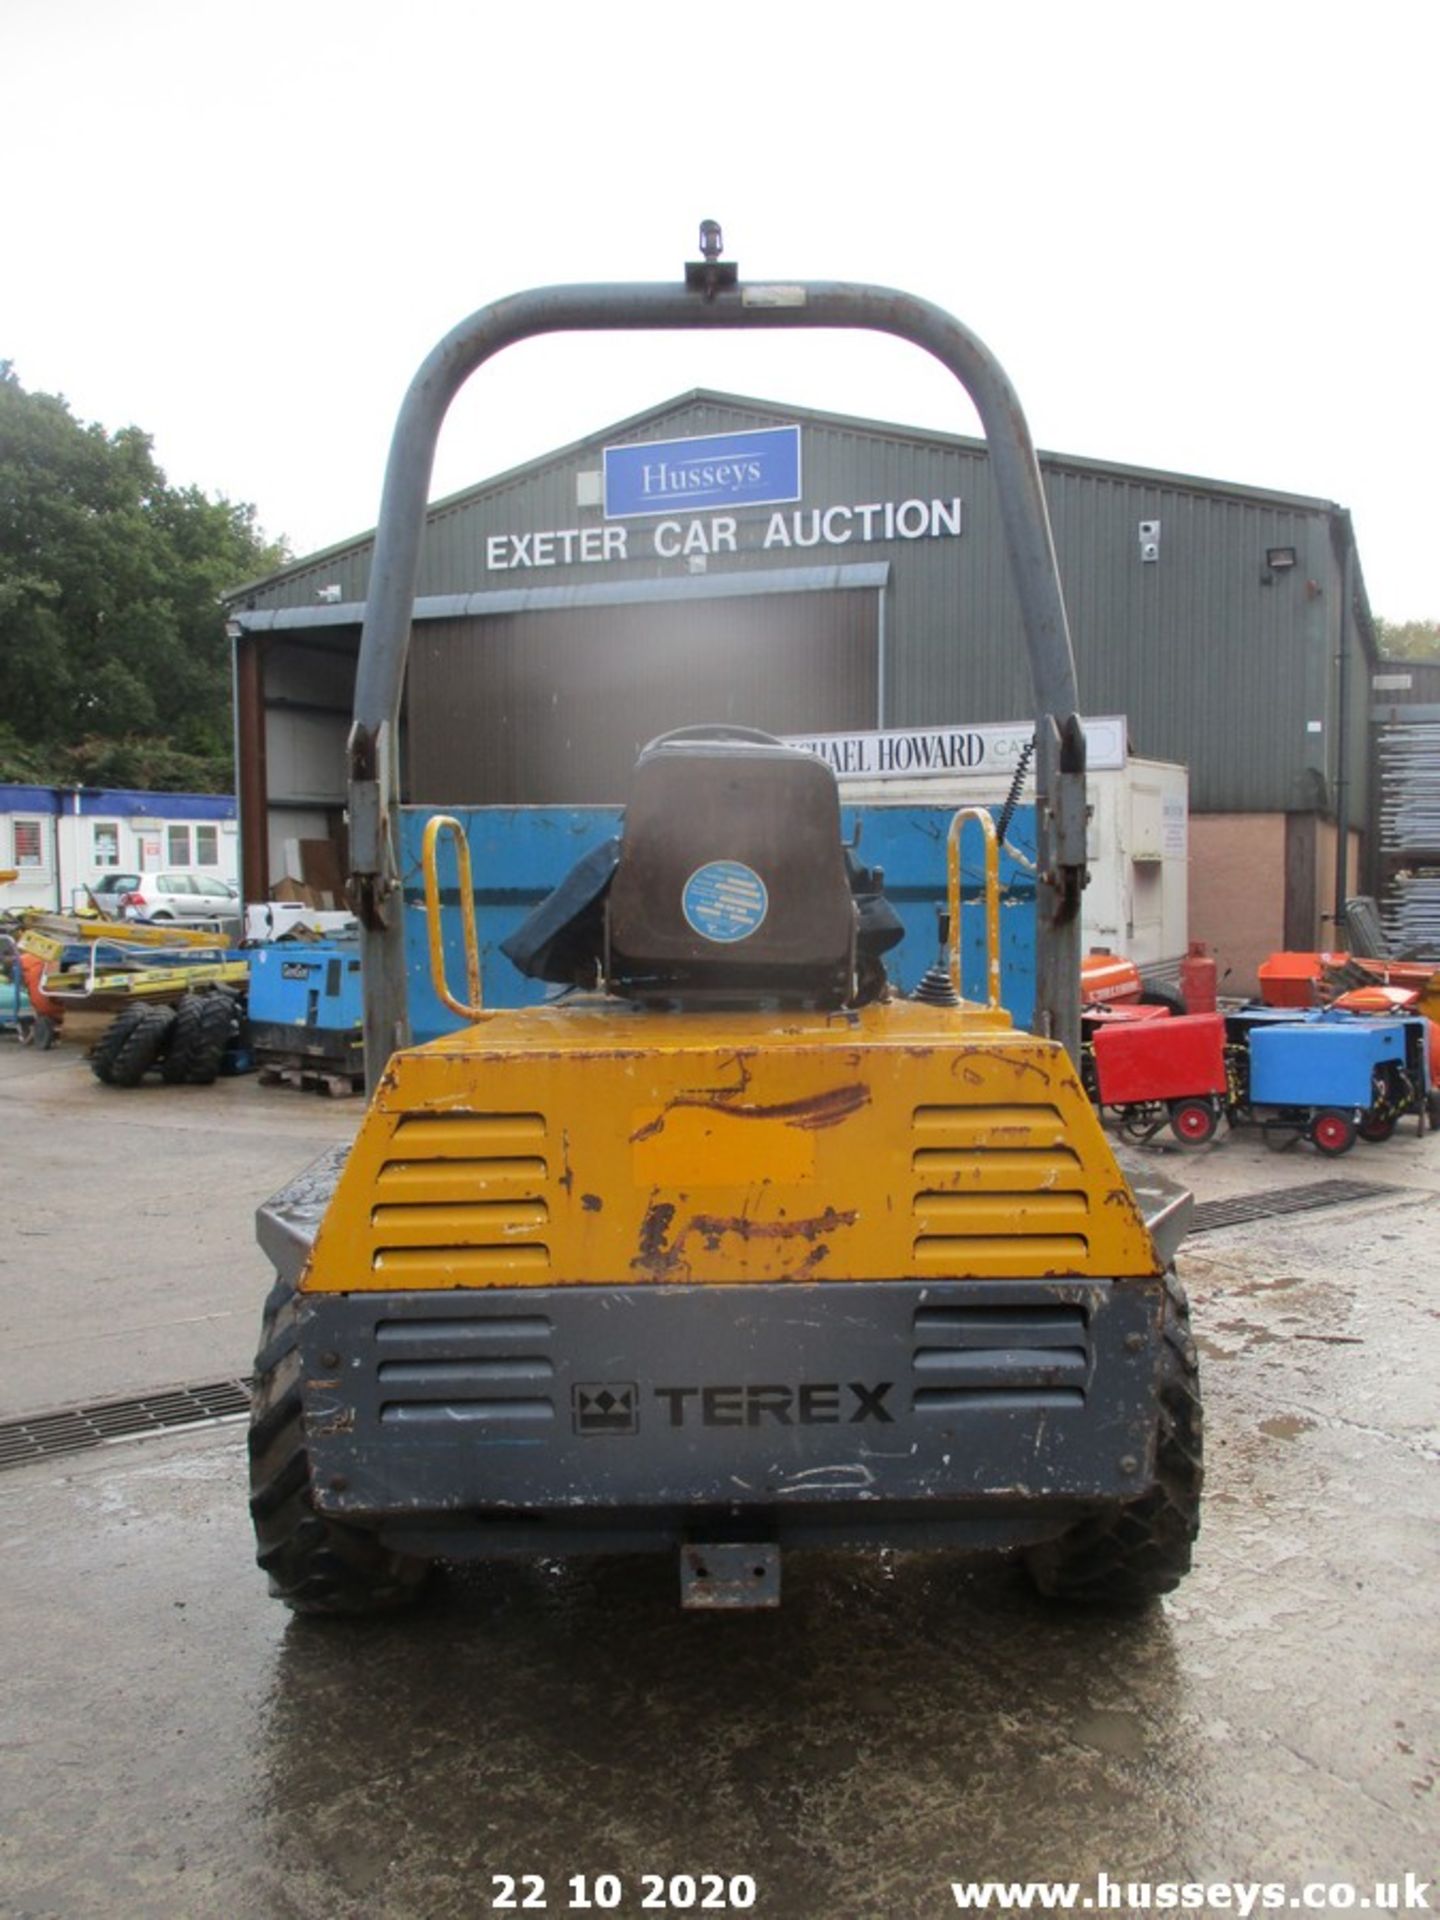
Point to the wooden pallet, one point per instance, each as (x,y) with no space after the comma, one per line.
(306,1076)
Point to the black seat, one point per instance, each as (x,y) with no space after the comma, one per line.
(732,882)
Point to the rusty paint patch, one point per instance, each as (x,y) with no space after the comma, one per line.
(653,1256)
(818,1253)
(816,1110)
(653,1229)
(819,1110)
(713,1227)
(739,1062)
(669,1263)
(1014,1061)
(324,1426)
(591,1202)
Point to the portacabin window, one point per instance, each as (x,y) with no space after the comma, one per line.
(29,843)
(177,843)
(106,850)
(207,846)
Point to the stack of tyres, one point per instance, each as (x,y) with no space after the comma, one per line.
(186,1044)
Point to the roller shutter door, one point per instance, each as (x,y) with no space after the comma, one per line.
(550,707)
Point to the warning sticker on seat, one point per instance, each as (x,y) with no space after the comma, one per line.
(725,901)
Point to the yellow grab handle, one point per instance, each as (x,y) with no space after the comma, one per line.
(440,823)
(992,899)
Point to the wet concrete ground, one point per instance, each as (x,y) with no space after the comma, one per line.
(176,1744)
(131,1211)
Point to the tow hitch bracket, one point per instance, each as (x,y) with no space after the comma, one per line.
(730,1574)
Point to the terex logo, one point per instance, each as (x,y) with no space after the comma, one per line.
(812,1404)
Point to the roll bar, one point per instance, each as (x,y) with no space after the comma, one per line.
(711,296)
(982,819)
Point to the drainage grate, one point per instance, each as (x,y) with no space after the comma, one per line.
(1261,1206)
(41,1436)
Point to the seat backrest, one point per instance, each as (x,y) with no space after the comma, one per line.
(732,872)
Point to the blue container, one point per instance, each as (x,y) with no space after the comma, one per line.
(1321,1063)
(520,854)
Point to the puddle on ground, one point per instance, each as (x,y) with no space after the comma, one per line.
(1286,1426)
(1260,1284)
(1108,1731)
(1244,1334)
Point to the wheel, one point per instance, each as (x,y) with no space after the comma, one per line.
(203,1024)
(315,1564)
(139,1047)
(1140,1123)
(1132,1554)
(1333,1132)
(1158,995)
(102,1057)
(1193,1122)
(1376,1127)
(175,1068)
(217,1024)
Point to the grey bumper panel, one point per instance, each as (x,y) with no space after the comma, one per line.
(615,1400)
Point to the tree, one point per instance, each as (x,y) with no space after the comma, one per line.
(113,657)
(1408,639)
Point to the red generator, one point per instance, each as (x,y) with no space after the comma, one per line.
(1151,1071)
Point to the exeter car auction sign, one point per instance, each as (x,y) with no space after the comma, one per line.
(908,753)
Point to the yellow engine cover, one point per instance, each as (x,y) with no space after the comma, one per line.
(590,1145)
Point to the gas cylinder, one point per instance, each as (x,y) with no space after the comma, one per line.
(1197,978)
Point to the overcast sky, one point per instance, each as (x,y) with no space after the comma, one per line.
(1199,238)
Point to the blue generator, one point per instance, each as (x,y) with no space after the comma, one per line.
(307,1012)
(1321,1064)
(1335,1077)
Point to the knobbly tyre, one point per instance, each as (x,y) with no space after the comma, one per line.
(732,1249)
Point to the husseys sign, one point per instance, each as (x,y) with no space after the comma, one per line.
(719,470)
(698,498)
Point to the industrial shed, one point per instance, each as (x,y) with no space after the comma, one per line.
(637,580)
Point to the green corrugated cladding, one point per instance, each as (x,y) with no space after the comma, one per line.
(1217,667)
